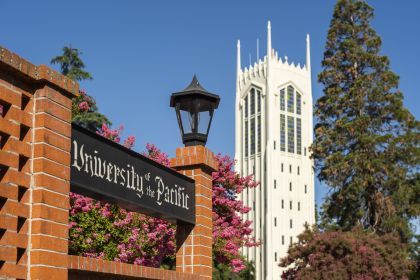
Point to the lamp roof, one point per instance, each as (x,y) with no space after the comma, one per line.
(195,89)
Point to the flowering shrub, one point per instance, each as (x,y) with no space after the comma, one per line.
(230,232)
(85,112)
(355,254)
(106,231)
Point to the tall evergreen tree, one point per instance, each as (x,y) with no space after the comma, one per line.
(71,64)
(84,109)
(366,147)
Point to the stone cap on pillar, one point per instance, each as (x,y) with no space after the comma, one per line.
(41,73)
(194,156)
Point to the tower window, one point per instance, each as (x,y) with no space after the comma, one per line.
(290,186)
(298,170)
(282,133)
(246,138)
(275,256)
(259,133)
(298,206)
(282,240)
(258,101)
(291,240)
(290,134)
(274,144)
(252,101)
(275,184)
(298,103)
(291,223)
(246,106)
(253,205)
(275,222)
(290,168)
(282,100)
(282,204)
(252,136)
(290,204)
(304,151)
(290,99)
(298,136)
(306,189)
(282,167)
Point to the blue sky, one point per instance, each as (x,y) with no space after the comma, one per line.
(139,52)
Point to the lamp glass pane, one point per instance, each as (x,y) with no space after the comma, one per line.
(187,121)
(203,121)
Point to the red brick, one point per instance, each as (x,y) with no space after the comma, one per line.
(44,272)
(14,239)
(15,208)
(55,96)
(49,243)
(40,257)
(18,147)
(16,177)
(52,153)
(10,96)
(9,127)
(51,183)
(52,138)
(49,228)
(52,108)
(51,198)
(13,271)
(51,167)
(50,213)
(53,124)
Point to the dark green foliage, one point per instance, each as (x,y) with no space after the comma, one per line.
(366,147)
(84,109)
(85,112)
(355,254)
(71,64)
(224,272)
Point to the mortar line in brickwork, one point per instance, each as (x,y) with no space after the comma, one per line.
(48,235)
(52,116)
(52,131)
(55,102)
(47,159)
(52,146)
(51,191)
(31,185)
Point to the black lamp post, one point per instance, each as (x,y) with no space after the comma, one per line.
(194,108)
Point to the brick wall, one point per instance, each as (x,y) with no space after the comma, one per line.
(35,117)
(35,140)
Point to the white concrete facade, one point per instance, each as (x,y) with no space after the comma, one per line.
(273,131)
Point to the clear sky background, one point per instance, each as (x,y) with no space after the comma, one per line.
(139,52)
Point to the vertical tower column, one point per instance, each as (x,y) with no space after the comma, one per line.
(194,252)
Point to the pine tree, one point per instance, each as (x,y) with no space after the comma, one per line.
(71,64)
(366,146)
(84,109)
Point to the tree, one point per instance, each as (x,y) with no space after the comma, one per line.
(366,146)
(84,109)
(355,254)
(71,64)
(230,231)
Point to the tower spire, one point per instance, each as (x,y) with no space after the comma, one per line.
(268,41)
(308,53)
(238,57)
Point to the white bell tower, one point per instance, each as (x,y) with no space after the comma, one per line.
(273,132)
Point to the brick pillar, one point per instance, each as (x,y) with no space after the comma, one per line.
(194,252)
(35,117)
(50,185)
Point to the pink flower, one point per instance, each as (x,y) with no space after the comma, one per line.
(84,106)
